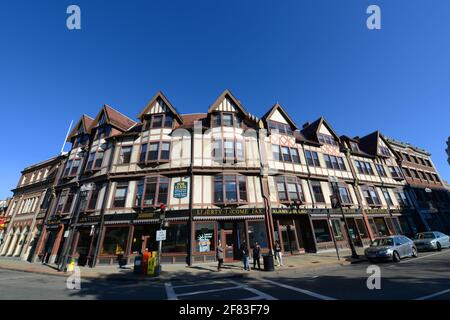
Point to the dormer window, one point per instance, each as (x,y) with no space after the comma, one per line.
(103,132)
(281,128)
(158,121)
(384,151)
(225,119)
(354,146)
(326,139)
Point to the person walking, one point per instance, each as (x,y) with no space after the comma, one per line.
(244,252)
(219,255)
(256,256)
(278,254)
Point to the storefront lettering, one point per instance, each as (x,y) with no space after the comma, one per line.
(218,212)
(288,211)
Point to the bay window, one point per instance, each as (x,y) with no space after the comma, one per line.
(75,166)
(289,189)
(155,191)
(317,191)
(158,121)
(125,154)
(230,189)
(285,154)
(120,195)
(228,150)
(371,196)
(155,152)
(277,127)
(93,198)
(387,197)
(67,169)
(312,158)
(225,119)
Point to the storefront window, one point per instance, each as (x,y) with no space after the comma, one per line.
(361,228)
(115,241)
(84,241)
(136,246)
(257,233)
(373,227)
(338,235)
(176,238)
(397,228)
(204,237)
(381,226)
(321,230)
(404,225)
(145,233)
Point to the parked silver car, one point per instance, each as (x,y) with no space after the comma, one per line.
(391,248)
(432,240)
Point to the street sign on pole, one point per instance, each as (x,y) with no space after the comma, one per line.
(160,235)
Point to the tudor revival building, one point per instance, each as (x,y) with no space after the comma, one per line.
(221,175)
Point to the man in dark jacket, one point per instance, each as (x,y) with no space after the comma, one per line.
(256,255)
(245,253)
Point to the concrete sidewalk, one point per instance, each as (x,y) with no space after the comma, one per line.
(300,263)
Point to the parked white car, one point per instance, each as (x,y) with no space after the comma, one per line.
(431,240)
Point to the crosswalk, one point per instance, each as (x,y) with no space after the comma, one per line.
(218,289)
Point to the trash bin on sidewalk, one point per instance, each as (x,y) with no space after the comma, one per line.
(269,264)
(138,264)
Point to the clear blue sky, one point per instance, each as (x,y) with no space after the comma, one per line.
(314,57)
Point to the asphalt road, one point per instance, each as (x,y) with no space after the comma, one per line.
(426,277)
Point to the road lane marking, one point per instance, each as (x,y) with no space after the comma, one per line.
(433,295)
(170,292)
(197,285)
(259,294)
(208,291)
(423,257)
(307,292)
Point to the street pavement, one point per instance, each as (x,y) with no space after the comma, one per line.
(425,278)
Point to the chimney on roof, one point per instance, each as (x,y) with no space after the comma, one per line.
(356,138)
(305,125)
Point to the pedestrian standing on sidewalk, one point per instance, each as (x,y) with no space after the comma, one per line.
(244,252)
(219,255)
(278,254)
(256,255)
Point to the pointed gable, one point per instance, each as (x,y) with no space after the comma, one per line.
(160,104)
(278,114)
(320,126)
(228,103)
(369,143)
(113,117)
(84,125)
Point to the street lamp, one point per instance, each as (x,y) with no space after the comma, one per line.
(84,191)
(337,203)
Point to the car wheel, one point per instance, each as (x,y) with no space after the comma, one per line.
(438,246)
(395,256)
(414,252)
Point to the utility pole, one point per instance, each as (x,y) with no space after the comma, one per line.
(337,203)
(84,190)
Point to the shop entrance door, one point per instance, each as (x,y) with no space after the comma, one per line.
(228,245)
